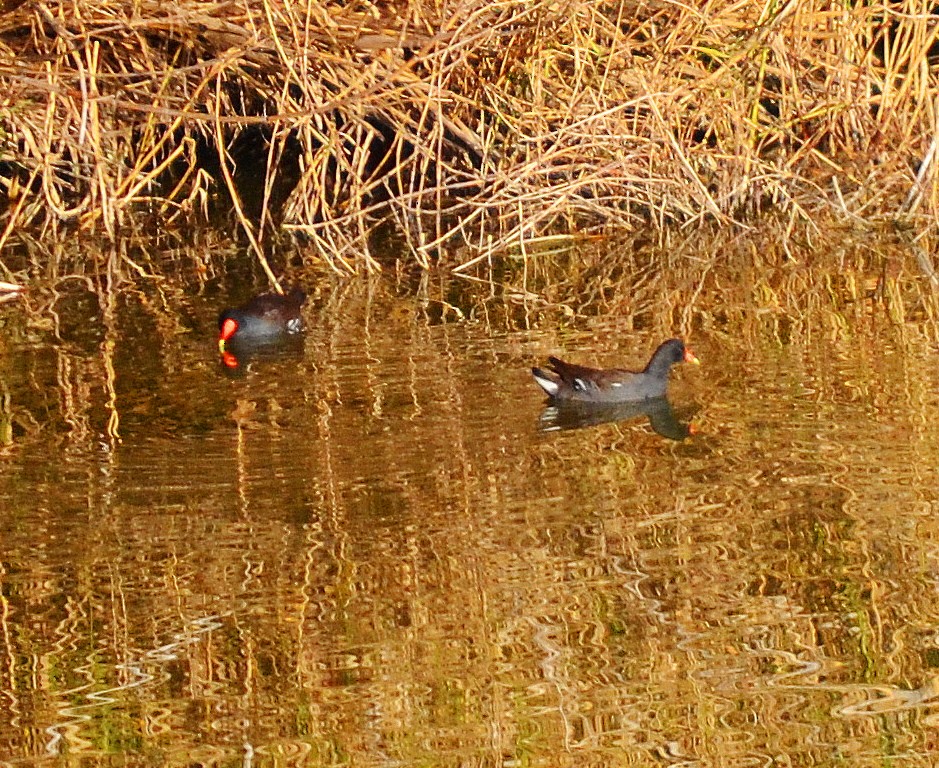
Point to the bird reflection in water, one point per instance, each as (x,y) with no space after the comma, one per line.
(237,359)
(573,415)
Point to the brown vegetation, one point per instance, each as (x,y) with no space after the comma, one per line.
(472,125)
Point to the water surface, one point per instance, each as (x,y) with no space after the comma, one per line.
(368,551)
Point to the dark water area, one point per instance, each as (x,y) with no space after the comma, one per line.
(375,547)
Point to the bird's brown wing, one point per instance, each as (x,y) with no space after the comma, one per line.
(583,378)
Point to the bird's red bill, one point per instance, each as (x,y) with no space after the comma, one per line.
(229,326)
(690,358)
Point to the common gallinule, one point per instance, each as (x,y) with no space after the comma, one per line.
(264,319)
(568,382)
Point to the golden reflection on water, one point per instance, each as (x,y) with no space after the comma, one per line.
(366,553)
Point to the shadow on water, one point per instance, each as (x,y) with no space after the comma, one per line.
(659,411)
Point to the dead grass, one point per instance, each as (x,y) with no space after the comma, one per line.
(475,126)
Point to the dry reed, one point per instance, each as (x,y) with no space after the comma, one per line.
(474,125)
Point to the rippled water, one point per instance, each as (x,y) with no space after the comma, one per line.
(369,550)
